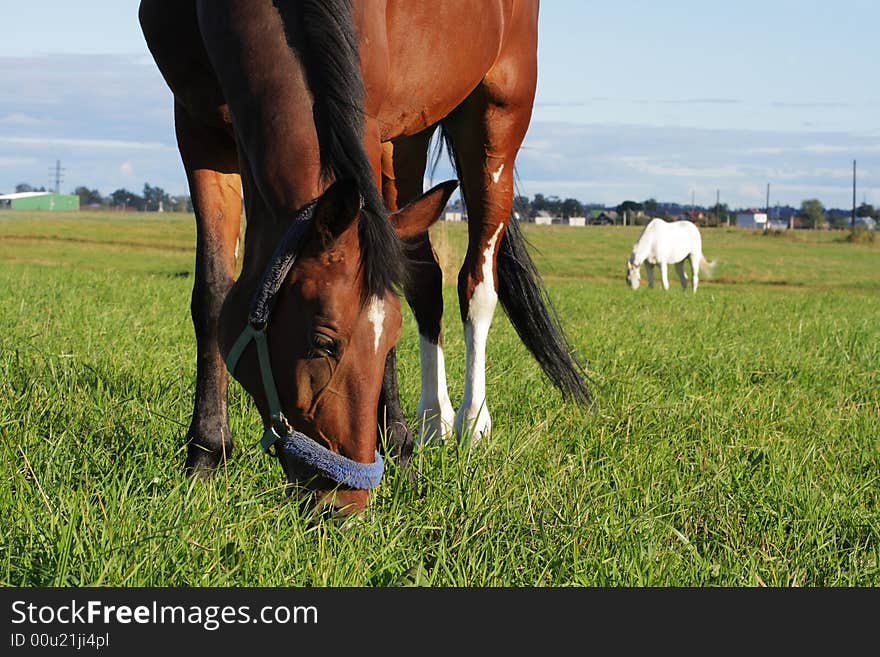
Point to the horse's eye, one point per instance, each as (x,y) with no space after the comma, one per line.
(322,346)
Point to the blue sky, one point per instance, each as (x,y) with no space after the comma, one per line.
(636,99)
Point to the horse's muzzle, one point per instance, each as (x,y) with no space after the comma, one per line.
(319,494)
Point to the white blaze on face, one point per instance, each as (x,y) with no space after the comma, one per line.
(376,315)
(497,175)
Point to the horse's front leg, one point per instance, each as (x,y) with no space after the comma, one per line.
(390,415)
(209,157)
(402,183)
(664,275)
(649,269)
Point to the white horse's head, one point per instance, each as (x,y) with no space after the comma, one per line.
(633,275)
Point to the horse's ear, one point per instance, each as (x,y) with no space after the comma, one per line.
(419,215)
(336,209)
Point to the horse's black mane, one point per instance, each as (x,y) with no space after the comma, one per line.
(323,34)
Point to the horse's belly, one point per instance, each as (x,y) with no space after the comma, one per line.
(438,54)
(673,254)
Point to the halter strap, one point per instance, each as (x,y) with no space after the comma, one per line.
(279,433)
(279,267)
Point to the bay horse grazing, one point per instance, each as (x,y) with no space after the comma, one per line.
(320,113)
(663,242)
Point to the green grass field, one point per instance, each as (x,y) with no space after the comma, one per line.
(734,440)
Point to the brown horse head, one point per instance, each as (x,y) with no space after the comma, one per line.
(327,340)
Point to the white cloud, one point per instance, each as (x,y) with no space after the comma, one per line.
(837,148)
(763,150)
(16,161)
(751,194)
(108,144)
(109,120)
(19,119)
(610,163)
(653,166)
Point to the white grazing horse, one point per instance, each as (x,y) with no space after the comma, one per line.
(663,242)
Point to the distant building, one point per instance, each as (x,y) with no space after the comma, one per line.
(577,221)
(697,217)
(454,211)
(867,222)
(603,217)
(46,201)
(543,218)
(751,219)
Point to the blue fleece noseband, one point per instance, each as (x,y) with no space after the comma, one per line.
(328,463)
(280,434)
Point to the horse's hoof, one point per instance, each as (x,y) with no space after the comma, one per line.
(472,425)
(201,461)
(435,425)
(201,464)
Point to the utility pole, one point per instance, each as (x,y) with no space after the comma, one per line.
(57,175)
(767,210)
(717,206)
(852,224)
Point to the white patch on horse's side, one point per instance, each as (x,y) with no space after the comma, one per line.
(376,315)
(237,244)
(435,414)
(473,415)
(497,175)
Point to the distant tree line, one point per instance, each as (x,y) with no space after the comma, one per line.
(24,187)
(812,212)
(151,199)
(636,212)
(569,207)
(816,216)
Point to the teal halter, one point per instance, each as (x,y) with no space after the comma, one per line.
(279,433)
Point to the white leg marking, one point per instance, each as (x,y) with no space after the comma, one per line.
(376,315)
(435,414)
(497,175)
(472,419)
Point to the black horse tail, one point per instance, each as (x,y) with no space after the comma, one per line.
(524,298)
(527,304)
